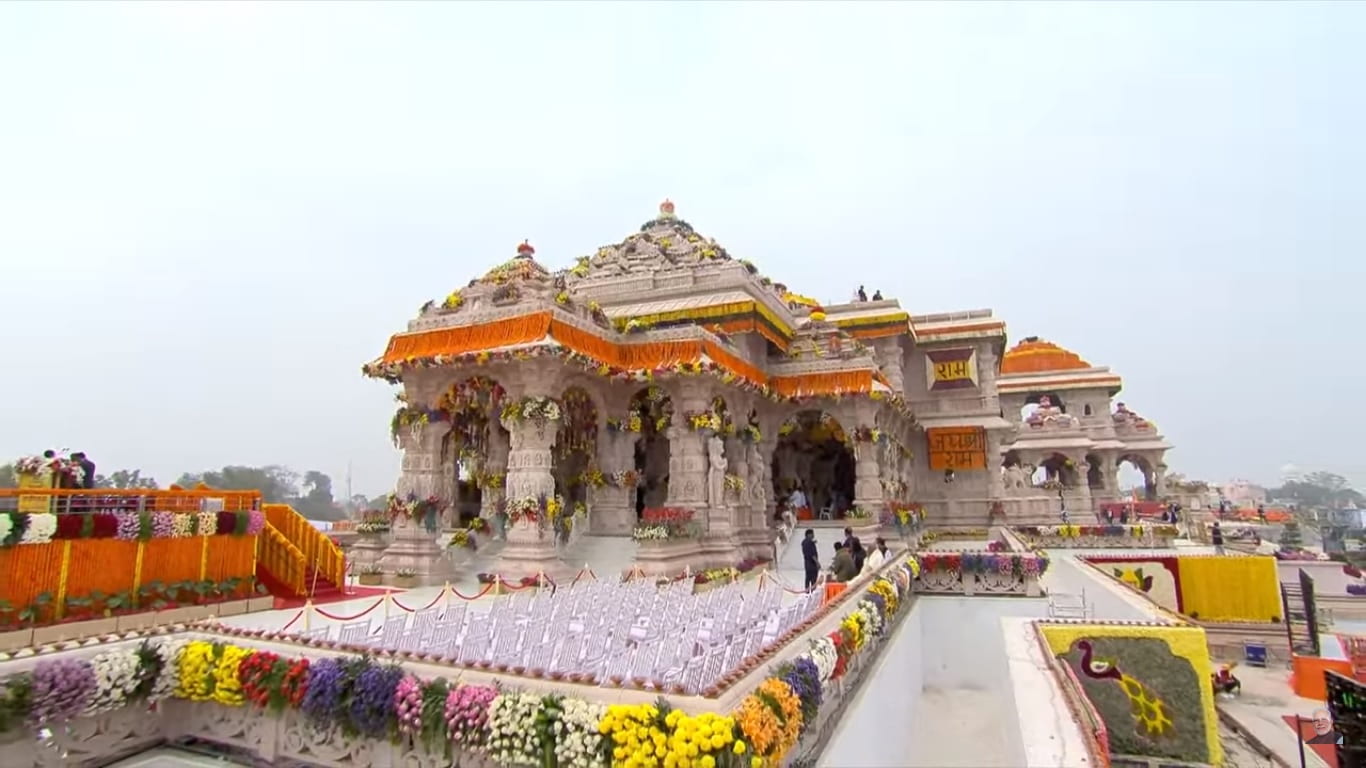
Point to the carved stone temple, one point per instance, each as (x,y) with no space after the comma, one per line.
(663,373)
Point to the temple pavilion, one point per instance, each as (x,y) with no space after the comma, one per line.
(662,371)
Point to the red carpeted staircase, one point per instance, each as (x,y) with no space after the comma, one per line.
(296,561)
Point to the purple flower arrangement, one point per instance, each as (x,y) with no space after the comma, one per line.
(256,522)
(130,526)
(324,702)
(880,603)
(804,679)
(467,713)
(408,705)
(372,700)
(163,525)
(61,690)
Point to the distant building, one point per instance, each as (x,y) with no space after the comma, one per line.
(1241,493)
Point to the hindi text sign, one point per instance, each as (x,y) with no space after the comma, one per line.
(957,448)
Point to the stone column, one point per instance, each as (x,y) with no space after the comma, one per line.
(530,549)
(1160,481)
(892,358)
(996,489)
(412,547)
(496,462)
(614,509)
(688,463)
(1084,487)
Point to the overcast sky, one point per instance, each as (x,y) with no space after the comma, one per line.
(210,216)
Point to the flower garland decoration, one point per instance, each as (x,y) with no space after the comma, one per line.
(324,697)
(884,589)
(466,713)
(579,744)
(735,483)
(412,507)
(538,409)
(635,733)
(40,529)
(664,523)
(707,739)
(197,664)
(408,705)
(872,616)
(824,656)
(117,679)
(802,676)
(227,688)
(513,737)
(371,707)
(61,690)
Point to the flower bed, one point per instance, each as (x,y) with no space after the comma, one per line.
(18,528)
(1097,536)
(231,693)
(987,573)
(665,524)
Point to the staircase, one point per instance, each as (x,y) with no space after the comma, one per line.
(1301,623)
(296,560)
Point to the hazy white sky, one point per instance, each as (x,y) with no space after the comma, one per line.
(211,215)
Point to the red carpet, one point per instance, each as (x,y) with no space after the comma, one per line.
(1327,752)
(333,596)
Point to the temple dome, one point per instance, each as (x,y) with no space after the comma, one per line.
(522,267)
(1033,355)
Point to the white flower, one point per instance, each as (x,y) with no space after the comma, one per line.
(169,651)
(513,737)
(41,528)
(6,525)
(181,525)
(208,523)
(578,743)
(116,678)
(824,656)
(869,611)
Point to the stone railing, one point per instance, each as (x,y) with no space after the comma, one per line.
(980,573)
(291,739)
(1097,536)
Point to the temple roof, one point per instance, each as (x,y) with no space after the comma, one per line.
(1038,365)
(1033,355)
(521,267)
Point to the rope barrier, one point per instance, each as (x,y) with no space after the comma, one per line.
(297,616)
(779,582)
(363,613)
(434,601)
(480,594)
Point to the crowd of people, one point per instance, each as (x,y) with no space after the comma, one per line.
(862,295)
(849,562)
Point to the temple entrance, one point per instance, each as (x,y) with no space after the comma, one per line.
(814,456)
(471,407)
(649,415)
(576,446)
(1057,472)
(1136,474)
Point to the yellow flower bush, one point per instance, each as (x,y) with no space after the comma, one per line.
(637,736)
(705,741)
(227,689)
(771,721)
(852,626)
(197,666)
(885,589)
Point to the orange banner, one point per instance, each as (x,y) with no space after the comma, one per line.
(957,448)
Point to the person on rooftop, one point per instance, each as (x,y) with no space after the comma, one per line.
(877,295)
(862,294)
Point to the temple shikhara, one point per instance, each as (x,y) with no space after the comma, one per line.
(662,383)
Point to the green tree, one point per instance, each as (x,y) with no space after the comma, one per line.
(277,484)
(7,476)
(317,502)
(1319,490)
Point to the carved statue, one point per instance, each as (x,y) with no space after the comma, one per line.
(1014,477)
(716,473)
(757,492)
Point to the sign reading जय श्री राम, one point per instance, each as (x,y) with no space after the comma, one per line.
(957,448)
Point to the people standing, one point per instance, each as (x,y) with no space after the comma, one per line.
(87,468)
(875,558)
(1216,537)
(862,294)
(811,560)
(797,501)
(842,567)
(859,554)
(877,295)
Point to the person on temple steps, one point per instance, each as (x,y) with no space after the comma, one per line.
(875,558)
(810,559)
(859,554)
(842,567)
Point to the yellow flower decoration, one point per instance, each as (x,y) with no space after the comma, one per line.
(196,671)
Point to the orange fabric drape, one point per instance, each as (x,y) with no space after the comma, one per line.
(877,332)
(104,565)
(841,382)
(171,560)
(470,338)
(28,570)
(737,366)
(751,325)
(230,557)
(585,343)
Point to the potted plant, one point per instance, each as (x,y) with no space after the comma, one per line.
(371,575)
(405,578)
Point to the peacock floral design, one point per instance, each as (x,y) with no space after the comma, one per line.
(1148,709)
(1134,577)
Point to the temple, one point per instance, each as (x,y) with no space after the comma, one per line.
(664,373)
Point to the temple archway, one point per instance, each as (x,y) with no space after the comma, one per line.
(474,448)
(576,445)
(1057,468)
(1135,471)
(1095,472)
(814,454)
(649,416)
(1036,400)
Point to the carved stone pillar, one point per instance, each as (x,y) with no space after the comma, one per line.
(867,474)
(413,548)
(1084,486)
(494,463)
(995,481)
(893,360)
(530,549)
(613,508)
(687,454)
(1160,481)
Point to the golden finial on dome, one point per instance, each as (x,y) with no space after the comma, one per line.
(525,250)
(666,209)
